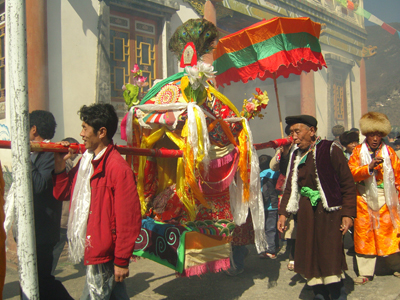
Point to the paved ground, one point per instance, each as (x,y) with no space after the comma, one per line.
(262,279)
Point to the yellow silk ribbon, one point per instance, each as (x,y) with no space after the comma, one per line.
(243,165)
(200,142)
(147,143)
(186,199)
(223,99)
(184,84)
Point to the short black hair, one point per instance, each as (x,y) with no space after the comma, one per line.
(287,129)
(100,115)
(355,129)
(348,137)
(44,122)
(71,140)
(264,161)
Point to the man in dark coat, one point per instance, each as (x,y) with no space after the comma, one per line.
(321,192)
(47,209)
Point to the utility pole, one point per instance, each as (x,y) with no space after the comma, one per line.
(21,163)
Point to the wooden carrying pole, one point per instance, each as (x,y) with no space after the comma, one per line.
(279,108)
(127,150)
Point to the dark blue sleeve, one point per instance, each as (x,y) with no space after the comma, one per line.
(41,172)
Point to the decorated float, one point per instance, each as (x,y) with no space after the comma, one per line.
(192,204)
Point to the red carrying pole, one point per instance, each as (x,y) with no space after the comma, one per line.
(274,144)
(127,150)
(80,148)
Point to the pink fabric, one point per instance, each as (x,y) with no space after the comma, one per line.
(123,128)
(221,173)
(210,266)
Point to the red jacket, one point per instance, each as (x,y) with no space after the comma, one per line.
(114,217)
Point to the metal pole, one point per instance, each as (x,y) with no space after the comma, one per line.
(21,163)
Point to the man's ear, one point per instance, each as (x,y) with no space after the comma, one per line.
(102,132)
(34,130)
(312,131)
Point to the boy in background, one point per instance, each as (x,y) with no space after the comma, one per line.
(269,179)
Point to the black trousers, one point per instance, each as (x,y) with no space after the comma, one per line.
(49,287)
(336,291)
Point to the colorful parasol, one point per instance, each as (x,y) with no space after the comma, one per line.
(269,49)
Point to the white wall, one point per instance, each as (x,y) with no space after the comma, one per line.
(72,47)
(321,101)
(185,12)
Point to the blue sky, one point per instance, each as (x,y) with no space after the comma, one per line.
(386,10)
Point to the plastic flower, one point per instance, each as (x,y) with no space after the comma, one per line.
(136,71)
(199,74)
(140,81)
(250,106)
(262,98)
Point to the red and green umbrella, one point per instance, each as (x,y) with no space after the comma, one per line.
(269,49)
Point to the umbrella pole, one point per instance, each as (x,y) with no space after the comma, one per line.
(277,102)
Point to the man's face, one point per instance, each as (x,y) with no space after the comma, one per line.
(397,147)
(90,139)
(350,147)
(302,135)
(374,139)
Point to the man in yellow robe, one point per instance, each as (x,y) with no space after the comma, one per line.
(376,171)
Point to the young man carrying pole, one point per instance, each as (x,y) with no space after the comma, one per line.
(105,218)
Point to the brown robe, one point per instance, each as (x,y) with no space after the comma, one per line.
(319,242)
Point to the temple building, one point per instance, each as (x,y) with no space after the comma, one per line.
(81,52)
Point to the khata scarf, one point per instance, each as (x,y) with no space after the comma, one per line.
(80,205)
(371,188)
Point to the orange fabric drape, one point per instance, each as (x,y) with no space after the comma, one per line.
(386,239)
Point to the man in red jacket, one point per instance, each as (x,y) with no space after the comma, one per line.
(105,218)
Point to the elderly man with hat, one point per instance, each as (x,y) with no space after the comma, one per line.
(349,140)
(320,191)
(376,171)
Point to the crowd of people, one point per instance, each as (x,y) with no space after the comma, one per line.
(314,191)
(331,187)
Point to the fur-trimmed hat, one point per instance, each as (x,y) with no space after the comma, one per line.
(375,122)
